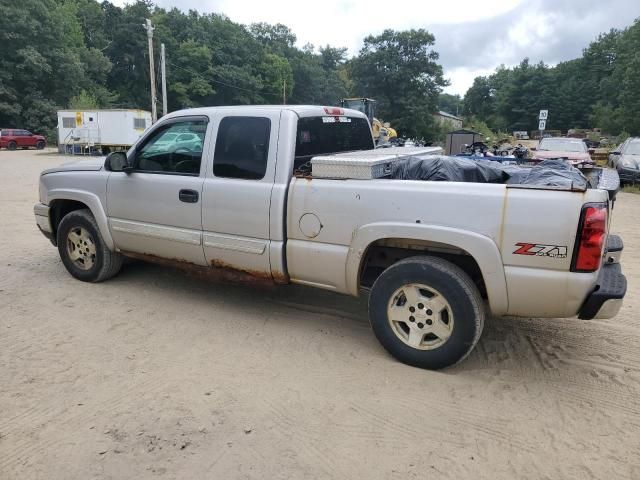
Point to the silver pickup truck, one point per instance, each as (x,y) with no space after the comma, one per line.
(240,200)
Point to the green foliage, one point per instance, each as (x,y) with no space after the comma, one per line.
(87,54)
(84,101)
(400,71)
(452,104)
(276,73)
(599,89)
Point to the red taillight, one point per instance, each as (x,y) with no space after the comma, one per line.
(591,237)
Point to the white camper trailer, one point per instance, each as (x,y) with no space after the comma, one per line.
(103,131)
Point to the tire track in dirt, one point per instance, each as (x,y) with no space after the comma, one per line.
(23,448)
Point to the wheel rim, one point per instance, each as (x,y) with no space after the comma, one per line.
(420,316)
(81,248)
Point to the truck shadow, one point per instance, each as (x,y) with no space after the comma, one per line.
(549,349)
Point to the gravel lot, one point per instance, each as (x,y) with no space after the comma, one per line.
(157,374)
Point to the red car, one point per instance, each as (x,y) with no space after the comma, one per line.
(11,139)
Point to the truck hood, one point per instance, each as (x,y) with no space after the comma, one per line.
(91,165)
(574,157)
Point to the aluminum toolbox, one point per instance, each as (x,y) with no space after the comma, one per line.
(364,164)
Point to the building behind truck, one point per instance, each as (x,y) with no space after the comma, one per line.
(88,132)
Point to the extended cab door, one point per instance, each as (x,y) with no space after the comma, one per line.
(156,209)
(237,191)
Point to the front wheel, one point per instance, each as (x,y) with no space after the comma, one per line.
(82,249)
(40,145)
(426,312)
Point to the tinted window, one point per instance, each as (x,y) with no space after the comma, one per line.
(319,135)
(162,154)
(242,148)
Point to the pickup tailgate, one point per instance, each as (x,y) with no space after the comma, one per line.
(538,248)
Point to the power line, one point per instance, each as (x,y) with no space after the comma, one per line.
(201,76)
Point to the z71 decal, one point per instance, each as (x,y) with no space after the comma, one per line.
(540,250)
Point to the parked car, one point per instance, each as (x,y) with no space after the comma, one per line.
(626,160)
(12,138)
(574,150)
(175,141)
(244,209)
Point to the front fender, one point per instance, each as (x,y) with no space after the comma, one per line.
(92,201)
(482,248)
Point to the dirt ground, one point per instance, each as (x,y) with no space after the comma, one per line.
(156,374)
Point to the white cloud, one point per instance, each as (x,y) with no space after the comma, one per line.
(472,37)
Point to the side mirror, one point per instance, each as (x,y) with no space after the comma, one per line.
(533,148)
(615,153)
(117,162)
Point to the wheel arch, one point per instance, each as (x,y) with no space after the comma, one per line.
(64,201)
(481,250)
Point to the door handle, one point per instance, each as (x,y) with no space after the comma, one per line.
(188,196)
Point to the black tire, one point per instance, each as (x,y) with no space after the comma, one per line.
(457,289)
(40,145)
(12,145)
(106,263)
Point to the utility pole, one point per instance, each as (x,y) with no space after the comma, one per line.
(152,73)
(284,91)
(164,79)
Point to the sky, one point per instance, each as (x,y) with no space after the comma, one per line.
(473,37)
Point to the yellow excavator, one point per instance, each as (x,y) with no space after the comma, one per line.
(382,132)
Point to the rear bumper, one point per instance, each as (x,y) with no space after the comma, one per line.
(606,299)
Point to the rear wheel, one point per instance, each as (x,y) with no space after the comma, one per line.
(82,249)
(426,312)
(12,145)
(40,145)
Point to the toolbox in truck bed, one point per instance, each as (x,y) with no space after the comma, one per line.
(364,164)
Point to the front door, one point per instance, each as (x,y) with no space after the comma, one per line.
(237,192)
(156,209)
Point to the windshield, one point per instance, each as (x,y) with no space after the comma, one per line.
(633,148)
(322,135)
(562,145)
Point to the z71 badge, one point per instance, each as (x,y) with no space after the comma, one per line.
(540,250)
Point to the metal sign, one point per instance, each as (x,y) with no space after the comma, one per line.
(542,125)
(544,114)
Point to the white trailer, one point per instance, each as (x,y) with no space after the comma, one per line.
(90,131)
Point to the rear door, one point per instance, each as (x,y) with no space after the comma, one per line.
(24,138)
(156,209)
(237,191)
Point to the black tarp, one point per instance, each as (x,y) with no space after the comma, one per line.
(442,168)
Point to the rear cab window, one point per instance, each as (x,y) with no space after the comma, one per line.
(330,134)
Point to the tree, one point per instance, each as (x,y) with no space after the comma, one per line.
(276,73)
(450,103)
(400,71)
(599,89)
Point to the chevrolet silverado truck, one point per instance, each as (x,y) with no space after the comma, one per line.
(434,257)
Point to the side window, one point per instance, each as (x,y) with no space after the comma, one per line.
(242,148)
(68,122)
(139,123)
(162,153)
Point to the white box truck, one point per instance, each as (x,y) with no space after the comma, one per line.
(90,131)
